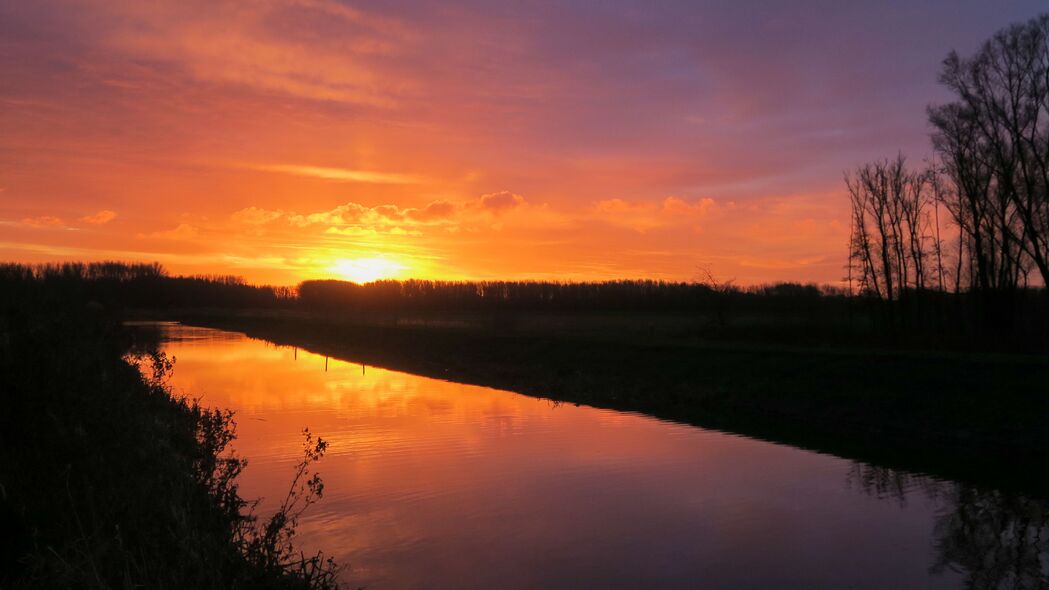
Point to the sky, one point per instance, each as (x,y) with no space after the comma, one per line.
(284,140)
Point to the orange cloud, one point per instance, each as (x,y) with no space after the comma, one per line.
(500,202)
(646,216)
(101,218)
(434,211)
(255,216)
(616,206)
(677,206)
(182,231)
(367,231)
(43,221)
(340,174)
(355,219)
(220,41)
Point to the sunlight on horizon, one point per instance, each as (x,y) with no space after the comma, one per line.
(367,270)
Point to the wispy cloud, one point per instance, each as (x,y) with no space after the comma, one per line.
(182,231)
(255,216)
(340,174)
(643,216)
(43,221)
(101,218)
(355,219)
(231,43)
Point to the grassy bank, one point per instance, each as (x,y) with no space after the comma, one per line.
(109,481)
(978,418)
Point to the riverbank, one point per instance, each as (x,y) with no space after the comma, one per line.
(109,480)
(977,418)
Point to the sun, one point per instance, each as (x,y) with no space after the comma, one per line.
(366,270)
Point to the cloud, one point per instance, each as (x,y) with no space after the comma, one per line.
(101,218)
(353,213)
(50,221)
(351,231)
(643,216)
(436,210)
(355,219)
(678,206)
(500,202)
(345,214)
(43,221)
(183,231)
(618,206)
(255,216)
(225,42)
(367,231)
(340,174)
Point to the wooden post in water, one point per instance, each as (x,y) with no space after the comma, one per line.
(296,353)
(325,364)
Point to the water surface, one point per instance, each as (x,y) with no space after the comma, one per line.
(438,485)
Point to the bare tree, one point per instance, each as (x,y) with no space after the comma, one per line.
(891,229)
(993,141)
(990,176)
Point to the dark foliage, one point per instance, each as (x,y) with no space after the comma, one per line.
(107,479)
(117,285)
(635,296)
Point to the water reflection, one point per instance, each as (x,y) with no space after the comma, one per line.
(994,539)
(439,484)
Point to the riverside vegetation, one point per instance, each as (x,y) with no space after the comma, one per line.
(109,480)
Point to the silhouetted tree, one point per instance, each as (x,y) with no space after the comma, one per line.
(991,176)
(894,240)
(993,141)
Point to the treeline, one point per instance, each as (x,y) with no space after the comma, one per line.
(929,316)
(976,219)
(637,295)
(119,285)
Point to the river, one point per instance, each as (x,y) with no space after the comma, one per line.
(435,484)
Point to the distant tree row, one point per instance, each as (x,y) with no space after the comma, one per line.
(932,315)
(535,295)
(976,219)
(129,285)
(121,285)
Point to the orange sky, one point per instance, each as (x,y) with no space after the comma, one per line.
(290,139)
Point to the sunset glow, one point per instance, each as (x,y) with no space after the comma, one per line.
(366,270)
(557,294)
(488,141)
